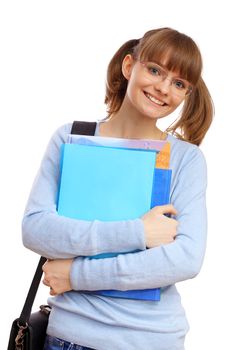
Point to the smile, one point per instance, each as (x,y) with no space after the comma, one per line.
(155,100)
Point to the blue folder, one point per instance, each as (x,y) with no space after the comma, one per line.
(111,184)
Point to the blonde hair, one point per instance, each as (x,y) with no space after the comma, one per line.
(182,55)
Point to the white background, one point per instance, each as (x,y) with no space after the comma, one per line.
(53,63)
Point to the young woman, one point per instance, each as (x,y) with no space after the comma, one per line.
(147,79)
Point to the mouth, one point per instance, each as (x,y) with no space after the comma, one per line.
(154,99)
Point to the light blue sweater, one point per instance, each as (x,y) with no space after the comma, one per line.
(107,323)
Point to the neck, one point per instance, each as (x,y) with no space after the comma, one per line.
(128,124)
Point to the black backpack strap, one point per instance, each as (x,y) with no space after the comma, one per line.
(25,314)
(83,128)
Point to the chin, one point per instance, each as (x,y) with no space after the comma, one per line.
(152,115)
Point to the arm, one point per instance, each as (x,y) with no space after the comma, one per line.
(58,237)
(166,264)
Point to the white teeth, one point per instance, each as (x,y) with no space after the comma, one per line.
(153,99)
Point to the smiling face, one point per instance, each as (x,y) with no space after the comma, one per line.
(149,97)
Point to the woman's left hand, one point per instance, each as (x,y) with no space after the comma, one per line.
(57,275)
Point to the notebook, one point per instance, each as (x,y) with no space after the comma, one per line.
(111,184)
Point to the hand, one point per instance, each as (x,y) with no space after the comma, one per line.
(159,229)
(57,275)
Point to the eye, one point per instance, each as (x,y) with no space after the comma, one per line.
(179,84)
(154,70)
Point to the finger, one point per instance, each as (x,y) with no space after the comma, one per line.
(165,209)
(44,266)
(174,221)
(52,292)
(45,282)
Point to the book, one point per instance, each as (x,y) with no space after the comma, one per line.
(105,183)
(156,145)
(126,180)
(162,147)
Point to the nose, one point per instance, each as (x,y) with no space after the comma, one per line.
(163,85)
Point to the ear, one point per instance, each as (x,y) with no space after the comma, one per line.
(127,66)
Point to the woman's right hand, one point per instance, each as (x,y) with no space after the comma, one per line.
(159,229)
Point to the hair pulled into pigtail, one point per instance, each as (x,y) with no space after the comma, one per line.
(196,115)
(116,84)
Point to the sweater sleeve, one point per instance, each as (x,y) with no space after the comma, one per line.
(167,264)
(58,237)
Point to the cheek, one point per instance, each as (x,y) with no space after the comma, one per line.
(175,102)
(135,88)
(131,91)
